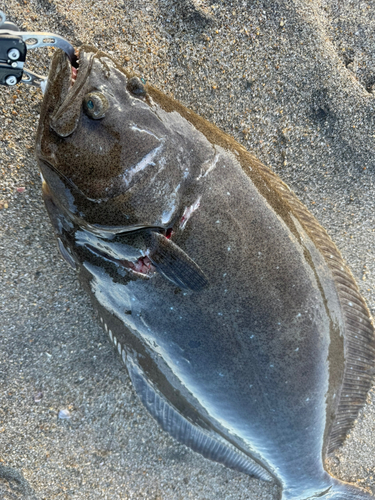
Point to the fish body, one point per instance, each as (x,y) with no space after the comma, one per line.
(242,329)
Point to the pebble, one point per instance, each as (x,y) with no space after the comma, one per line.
(64,414)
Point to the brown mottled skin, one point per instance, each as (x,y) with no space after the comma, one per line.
(231,307)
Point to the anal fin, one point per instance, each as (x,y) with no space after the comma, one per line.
(208,444)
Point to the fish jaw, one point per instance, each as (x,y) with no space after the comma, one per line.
(62,85)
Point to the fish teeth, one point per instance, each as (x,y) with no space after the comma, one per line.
(73,75)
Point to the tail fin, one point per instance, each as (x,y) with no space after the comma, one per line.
(345,491)
(336,490)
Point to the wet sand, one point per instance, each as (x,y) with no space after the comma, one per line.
(294,82)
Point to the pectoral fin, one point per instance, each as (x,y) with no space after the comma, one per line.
(174,263)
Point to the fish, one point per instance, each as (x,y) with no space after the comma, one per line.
(242,329)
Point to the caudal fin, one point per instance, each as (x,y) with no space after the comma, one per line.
(345,491)
(334,490)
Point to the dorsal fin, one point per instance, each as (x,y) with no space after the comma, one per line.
(359,339)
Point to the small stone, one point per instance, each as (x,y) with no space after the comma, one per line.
(38,397)
(64,414)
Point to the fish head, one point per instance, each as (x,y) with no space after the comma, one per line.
(104,152)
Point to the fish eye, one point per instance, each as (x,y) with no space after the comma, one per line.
(95,104)
(136,87)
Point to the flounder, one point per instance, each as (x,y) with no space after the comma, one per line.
(242,329)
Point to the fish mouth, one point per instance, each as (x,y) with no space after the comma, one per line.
(65,79)
(75,64)
(66,87)
(78,71)
(74,68)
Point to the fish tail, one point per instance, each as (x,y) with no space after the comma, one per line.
(345,491)
(336,490)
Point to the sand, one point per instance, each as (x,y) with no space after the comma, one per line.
(294,82)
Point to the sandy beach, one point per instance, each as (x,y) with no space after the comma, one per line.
(294,82)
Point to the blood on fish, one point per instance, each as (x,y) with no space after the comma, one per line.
(143,265)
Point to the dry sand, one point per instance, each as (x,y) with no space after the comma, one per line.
(294,81)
